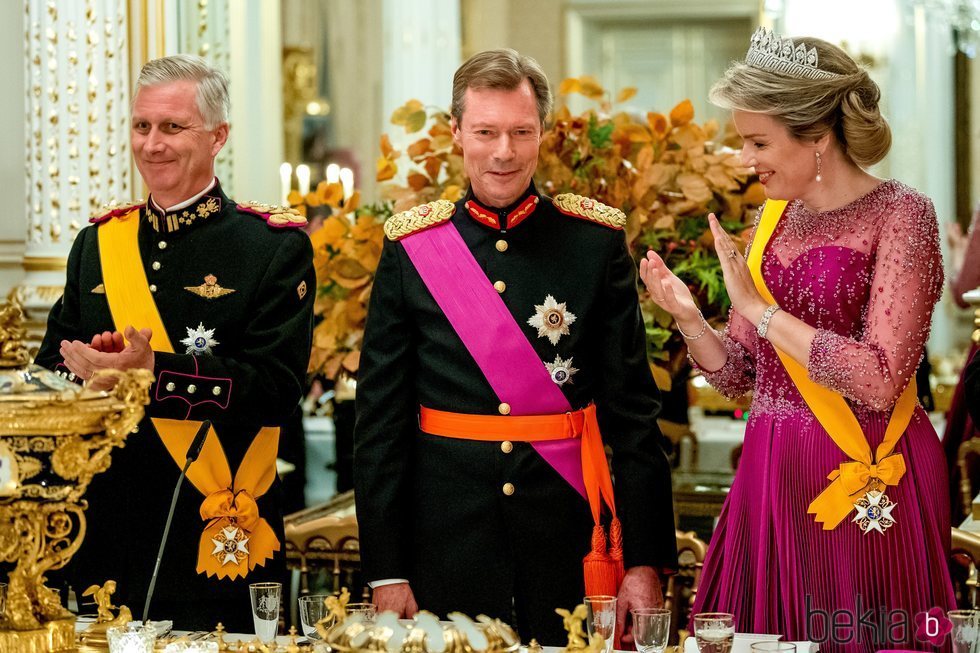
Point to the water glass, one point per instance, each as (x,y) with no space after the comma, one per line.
(772,647)
(131,638)
(602,619)
(368,611)
(197,646)
(651,629)
(965,636)
(265,609)
(714,632)
(312,609)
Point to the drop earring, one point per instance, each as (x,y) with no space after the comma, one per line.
(819,176)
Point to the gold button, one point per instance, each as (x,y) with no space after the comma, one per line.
(162,244)
(504,408)
(216,390)
(191,389)
(501,245)
(508,489)
(156,265)
(500,286)
(506,446)
(153,287)
(171,386)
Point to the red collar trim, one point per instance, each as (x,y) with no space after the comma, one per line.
(514,218)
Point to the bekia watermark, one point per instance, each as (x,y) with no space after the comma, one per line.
(881,627)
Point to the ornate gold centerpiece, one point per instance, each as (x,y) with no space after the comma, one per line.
(54,437)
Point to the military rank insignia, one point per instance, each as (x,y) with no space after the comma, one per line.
(199,341)
(551,319)
(301,289)
(210,289)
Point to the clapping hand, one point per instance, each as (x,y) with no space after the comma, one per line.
(108,351)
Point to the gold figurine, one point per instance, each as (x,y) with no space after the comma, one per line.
(573,626)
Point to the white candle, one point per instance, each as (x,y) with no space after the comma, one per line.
(303,177)
(347,180)
(285,182)
(333,173)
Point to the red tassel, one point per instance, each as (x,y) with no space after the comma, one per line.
(616,550)
(600,569)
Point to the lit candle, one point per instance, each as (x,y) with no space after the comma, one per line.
(333,173)
(303,177)
(347,181)
(285,182)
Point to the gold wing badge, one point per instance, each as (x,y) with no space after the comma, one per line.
(210,289)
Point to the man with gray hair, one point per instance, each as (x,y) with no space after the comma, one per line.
(214,298)
(504,333)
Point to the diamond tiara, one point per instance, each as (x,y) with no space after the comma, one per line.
(768,51)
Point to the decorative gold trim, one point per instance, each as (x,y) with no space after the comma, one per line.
(54,636)
(45,263)
(418,218)
(590,209)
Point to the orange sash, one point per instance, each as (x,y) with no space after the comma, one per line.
(235,537)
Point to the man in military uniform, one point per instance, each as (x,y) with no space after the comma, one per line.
(215,299)
(494,324)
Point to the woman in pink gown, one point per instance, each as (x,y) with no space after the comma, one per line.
(853,270)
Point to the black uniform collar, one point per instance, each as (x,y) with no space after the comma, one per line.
(505,218)
(186,217)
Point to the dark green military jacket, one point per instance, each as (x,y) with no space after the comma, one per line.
(487,527)
(234,287)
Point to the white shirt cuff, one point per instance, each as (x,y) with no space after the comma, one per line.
(375,584)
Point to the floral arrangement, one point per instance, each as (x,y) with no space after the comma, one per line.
(665,172)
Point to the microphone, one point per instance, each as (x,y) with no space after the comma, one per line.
(193,452)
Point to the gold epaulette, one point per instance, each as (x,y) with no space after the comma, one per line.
(275,216)
(590,209)
(418,218)
(113,210)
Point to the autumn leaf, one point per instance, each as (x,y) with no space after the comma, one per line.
(658,124)
(387,151)
(386,169)
(567,87)
(417,181)
(625,94)
(590,87)
(452,193)
(682,114)
(419,148)
(294,198)
(755,194)
(402,114)
(432,167)
(415,122)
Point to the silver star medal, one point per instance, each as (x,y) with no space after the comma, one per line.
(199,341)
(231,545)
(551,319)
(874,512)
(561,371)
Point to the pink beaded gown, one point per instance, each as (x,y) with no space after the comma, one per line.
(867,277)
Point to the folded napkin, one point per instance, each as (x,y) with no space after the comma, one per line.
(744,641)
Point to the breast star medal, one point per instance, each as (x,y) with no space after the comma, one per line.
(199,341)
(210,289)
(551,319)
(231,545)
(561,371)
(874,512)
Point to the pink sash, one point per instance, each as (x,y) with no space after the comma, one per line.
(492,336)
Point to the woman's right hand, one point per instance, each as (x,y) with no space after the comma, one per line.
(670,293)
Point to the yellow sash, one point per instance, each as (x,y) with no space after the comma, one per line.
(861,472)
(235,537)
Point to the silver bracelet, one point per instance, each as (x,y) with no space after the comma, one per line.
(763,327)
(704,327)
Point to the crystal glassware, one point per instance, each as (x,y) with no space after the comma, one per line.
(368,611)
(965,636)
(602,618)
(651,629)
(265,609)
(772,647)
(312,609)
(133,638)
(714,632)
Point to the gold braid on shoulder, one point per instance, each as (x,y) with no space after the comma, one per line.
(418,218)
(587,208)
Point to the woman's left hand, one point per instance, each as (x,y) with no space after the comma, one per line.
(741,289)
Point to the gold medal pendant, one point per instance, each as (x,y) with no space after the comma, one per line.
(874,512)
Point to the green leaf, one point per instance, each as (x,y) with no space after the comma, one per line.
(415,122)
(600,136)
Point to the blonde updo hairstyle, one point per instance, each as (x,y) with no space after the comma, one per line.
(846,104)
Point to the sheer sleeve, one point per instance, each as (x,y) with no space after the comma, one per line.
(968,277)
(737,375)
(907,278)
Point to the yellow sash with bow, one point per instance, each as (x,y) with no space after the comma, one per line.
(862,472)
(235,537)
